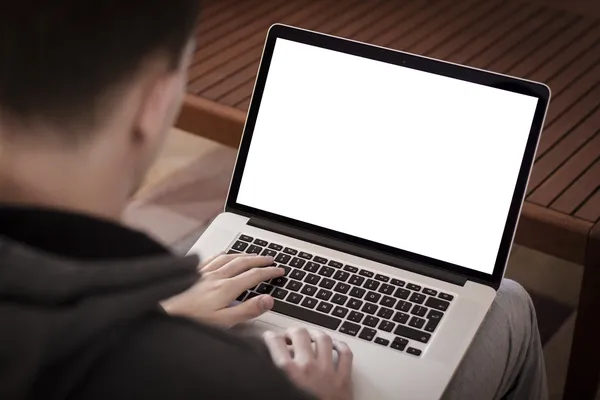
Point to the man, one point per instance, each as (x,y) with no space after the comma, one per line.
(88,91)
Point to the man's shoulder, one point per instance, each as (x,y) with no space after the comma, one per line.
(166,357)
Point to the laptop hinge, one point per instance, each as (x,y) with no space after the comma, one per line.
(359,251)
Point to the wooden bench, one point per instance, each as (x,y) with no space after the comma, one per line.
(561,215)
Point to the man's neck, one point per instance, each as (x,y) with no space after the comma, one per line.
(76,180)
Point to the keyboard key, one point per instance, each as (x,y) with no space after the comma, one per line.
(312,279)
(283,258)
(335,264)
(430,292)
(446,296)
(434,314)
(413,351)
(309,290)
(371,321)
(297,262)
(370,308)
(356,280)
(340,312)
(357,292)
(382,341)
(306,315)
(371,284)
(297,274)
(268,253)
(386,289)
(294,285)
(325,307)
(372,297)
(254,249)
(264,288)
(366,273)
(287,250)
(342,287)
(309,302)
(280,281)
(385,313)
(260,242)
(320,260)
(414,287)
(276,247)
(419,311)
(386,326)
(350,268)
(324,294)
(401,317)
(279,293)
(431,325)
(403,305)
(418,298)
(382,278)
(405,331)
(339,299)
(416,322)
(305,255)
(240,246)
(355,316)
(326,271)
(349,328)
(355,304)
(241,296)
(294,298)
(246,238)
(367,334)
(437,304)
(399,344)
(233,252)
(402,293)
(388,301)
(312,266)
(341,276)
(327,283)
(398,282)
(286,269)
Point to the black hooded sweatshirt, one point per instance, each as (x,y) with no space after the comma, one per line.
(80,319)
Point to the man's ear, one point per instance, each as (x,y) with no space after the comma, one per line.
(155,113)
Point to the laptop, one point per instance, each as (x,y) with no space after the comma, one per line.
(388,186)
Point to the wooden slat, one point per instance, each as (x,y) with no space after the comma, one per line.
(590,211)
(561,179)
(565,149)
(583,188)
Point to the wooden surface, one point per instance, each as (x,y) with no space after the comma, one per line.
(523,39)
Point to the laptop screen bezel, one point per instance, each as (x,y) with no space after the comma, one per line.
(408,60)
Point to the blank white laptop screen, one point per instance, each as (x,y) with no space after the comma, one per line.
(401,157)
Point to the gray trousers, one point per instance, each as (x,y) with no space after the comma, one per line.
(505,360)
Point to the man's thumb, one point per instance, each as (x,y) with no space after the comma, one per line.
(250,309)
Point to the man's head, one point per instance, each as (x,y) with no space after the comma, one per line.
(97,81)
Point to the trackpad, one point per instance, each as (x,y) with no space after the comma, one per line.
(261,326)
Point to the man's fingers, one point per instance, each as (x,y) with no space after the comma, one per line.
(345,358)
(206,262)
(242,264)
(324,347)
(277,347)
(247,310)
(220,260)
(301,343)
(251,278)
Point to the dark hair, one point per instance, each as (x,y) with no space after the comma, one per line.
(60,58)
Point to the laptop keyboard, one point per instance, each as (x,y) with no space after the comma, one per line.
(357,302)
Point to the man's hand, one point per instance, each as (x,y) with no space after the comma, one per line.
(313,369)
(223,279)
